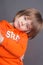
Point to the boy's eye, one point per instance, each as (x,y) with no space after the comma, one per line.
(25,18)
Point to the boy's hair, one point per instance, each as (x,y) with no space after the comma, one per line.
(36,18)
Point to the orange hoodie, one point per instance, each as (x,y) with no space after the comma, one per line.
(13,46)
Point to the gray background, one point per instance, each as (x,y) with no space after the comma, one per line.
(8,9)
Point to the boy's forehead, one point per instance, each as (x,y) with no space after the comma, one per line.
(22,16)
(18,16)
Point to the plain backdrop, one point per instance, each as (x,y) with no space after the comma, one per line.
(8,9)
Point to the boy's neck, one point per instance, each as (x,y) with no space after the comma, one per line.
(11,23)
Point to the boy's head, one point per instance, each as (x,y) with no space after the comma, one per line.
(29,21)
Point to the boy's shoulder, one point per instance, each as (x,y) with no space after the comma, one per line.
(3,22)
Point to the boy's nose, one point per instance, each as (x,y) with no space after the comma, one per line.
(22,23)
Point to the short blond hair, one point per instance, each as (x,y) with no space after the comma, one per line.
(36,18)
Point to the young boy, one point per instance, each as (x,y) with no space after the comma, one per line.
(14,36)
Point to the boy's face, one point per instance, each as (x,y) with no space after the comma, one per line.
(22,23)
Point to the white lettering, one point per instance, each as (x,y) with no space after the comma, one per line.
(11,35)
(17,37)
(8,34)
